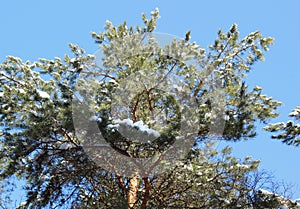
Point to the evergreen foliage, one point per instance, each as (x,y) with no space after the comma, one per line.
(40,143)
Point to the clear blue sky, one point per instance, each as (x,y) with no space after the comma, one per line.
(33,28)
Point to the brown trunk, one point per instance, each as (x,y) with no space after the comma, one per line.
(132,192)
(146,194)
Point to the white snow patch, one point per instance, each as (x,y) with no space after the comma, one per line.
(1,94)
(73,59)
(294,113)
(226,117)
(139,124)
(188,167)
(113,126)
(207,116)
(242,166)
(265,192)
(95,118)
(258,88)
(66,146)
(209,179)
(22,91)
(112,81)
(23,204)
(203,105)
(178,88)
(43,94)
(179,137)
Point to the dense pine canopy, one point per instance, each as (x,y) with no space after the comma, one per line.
(51,110)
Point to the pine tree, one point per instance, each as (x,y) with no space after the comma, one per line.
(59,117)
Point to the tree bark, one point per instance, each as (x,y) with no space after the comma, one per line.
(146,194)
(132,192)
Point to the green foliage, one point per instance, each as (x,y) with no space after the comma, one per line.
(207,180)
(39,144)
(290,131)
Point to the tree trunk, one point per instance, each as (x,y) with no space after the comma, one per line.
(146,193)
(132,192)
